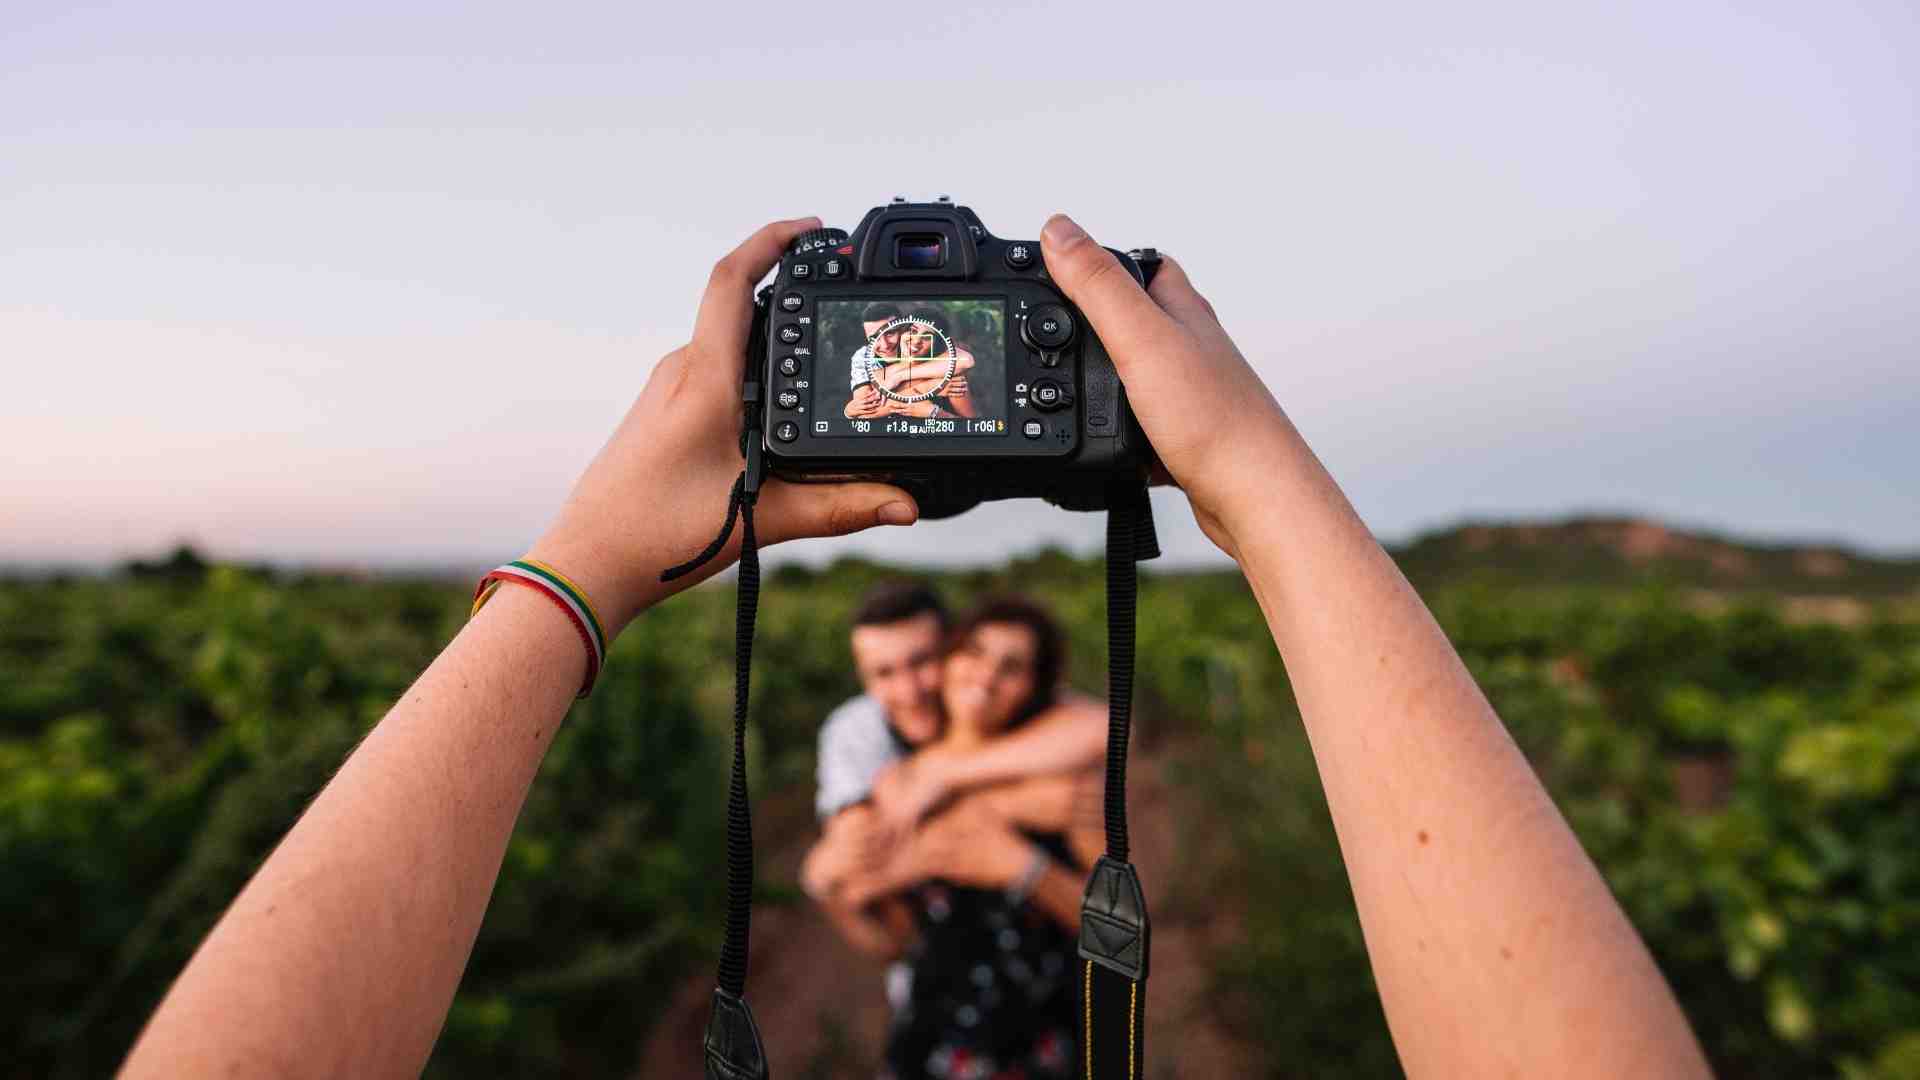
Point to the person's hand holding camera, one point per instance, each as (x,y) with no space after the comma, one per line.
(657,491)
(1207,414)
(1408,748)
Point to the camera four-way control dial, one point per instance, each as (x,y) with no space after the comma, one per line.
(1048,330)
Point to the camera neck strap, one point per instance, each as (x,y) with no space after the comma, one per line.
(1114,940)
(1113,914)
(734,1050)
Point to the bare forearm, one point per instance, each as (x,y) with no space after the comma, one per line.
(342,954)
(1462,868)
(1065,738)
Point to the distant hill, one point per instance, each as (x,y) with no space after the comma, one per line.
(1627,550)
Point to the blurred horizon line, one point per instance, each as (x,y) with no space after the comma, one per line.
(818,552)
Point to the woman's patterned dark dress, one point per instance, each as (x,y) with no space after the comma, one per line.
(994,995)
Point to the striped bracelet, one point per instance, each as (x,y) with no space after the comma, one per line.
(554,586)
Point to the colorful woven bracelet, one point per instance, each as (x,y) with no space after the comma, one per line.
(554,586)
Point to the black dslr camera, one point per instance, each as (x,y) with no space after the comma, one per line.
(925,352)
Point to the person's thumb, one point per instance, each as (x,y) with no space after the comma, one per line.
(793,511)
(1129,323)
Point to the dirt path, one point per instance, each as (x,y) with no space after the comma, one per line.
(819,1005)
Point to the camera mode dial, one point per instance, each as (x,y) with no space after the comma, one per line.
(816,239)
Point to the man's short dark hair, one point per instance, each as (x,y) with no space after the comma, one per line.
(880,311)
(898,601)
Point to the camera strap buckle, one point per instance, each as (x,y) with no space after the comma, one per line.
(734,1050)
(751,448)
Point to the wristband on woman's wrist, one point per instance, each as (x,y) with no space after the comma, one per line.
(555,586)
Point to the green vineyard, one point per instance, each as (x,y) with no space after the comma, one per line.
(1745,771)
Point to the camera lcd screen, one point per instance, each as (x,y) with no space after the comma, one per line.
(910,368)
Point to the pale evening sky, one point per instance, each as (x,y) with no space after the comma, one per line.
(368,283)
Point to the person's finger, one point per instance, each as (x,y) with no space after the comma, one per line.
(726,309)
(792,511)
(1174,291)
(1126,318)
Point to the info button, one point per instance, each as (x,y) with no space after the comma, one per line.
(1033,429)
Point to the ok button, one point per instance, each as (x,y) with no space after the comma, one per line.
(1048,328)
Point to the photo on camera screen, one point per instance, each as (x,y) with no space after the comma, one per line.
(911,368)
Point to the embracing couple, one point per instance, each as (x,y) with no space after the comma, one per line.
(960,802)
(903,354)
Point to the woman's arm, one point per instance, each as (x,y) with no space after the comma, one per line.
(341,955)
(1067,736)
(924,369)
(1497,946)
